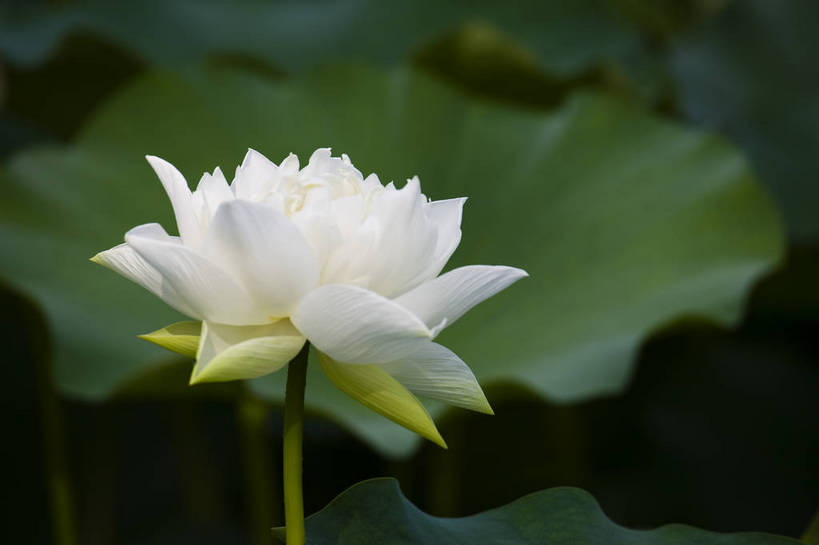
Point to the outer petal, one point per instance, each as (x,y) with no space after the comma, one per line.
(374,388)
(125,261)
(437,373)
(241,352)
(203,286)
(441,301)
(181,337)
(446,215)
(180,196)
(352,324)
(266,251)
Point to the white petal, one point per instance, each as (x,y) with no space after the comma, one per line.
(441,301)
(266,251)
(436,372)
(406,242)
(320,162)
(214,190)
(355,259)
(289,165)
(446,216)
(125,261)
(319,232)
(187,221)
(229,352)
(371,184)
(355,325)
(255,176)
(202,285)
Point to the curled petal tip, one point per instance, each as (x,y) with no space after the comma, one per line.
(96,259)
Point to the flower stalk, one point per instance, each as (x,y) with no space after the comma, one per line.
(292,447)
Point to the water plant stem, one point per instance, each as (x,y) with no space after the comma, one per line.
(292,447)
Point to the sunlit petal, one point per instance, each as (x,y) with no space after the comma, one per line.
(127,262)
(436,372)
(352,324)
(265,252)
(202,285)
(439,302)
(179,194)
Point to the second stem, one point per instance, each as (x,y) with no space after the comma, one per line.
(292,446)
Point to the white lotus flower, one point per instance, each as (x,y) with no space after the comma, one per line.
(284,255)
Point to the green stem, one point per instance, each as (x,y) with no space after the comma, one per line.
(292,443)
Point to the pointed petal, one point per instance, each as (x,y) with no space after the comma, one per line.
(254,176)
(446,215)
(242,352)
(202,285)
(407,242)
(289,165)
(374,388)
(437,373)
(213,190)
(266,251)
(353,324)
(126,261)
(441,301)
(180,196)
(180,337)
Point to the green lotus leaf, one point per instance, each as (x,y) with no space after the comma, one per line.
(624,221)
(566,38)
(750,74)
(375,512)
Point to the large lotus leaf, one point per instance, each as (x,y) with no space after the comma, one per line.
(377,512)
(752,74)
(566,37)
(625,222)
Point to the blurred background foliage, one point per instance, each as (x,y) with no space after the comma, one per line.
(576,128)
